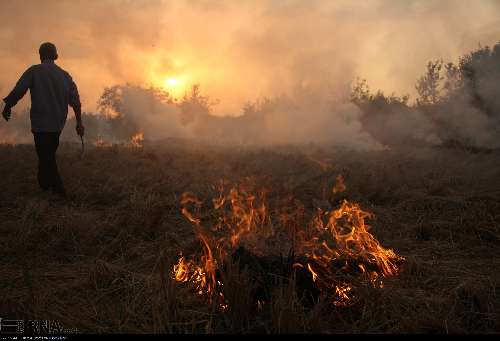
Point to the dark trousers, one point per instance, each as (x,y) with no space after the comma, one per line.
(48,175)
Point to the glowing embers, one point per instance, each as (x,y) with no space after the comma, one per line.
(137,139)
(327,252)
(100,142)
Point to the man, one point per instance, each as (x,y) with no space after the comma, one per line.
(52,89)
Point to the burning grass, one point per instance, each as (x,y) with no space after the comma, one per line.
(103,262)
(137,140)
(325,252)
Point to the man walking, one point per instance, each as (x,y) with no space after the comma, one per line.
(52,89)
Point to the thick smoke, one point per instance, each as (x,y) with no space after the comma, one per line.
(457,105)
(302,118)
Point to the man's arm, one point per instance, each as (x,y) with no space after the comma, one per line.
(74,102)
(22,86)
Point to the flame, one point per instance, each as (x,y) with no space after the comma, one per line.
(314,274)
(339,185)
(137,140)
(343,293)
(333,246)
(100,142)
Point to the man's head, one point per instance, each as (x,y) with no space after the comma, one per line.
(48,51)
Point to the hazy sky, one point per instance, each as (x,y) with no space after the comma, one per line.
(240,50)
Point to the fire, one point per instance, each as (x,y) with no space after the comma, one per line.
(100,142)
(332,247)
(314,274)
(137,140)
(339,185)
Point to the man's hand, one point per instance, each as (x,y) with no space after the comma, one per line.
(80,129)
(6,113)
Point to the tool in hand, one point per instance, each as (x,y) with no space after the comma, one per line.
(83,147)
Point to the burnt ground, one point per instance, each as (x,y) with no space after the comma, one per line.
(101,262)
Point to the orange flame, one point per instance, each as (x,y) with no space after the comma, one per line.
(339,185)
(334,243)
(100,142)
(137,140)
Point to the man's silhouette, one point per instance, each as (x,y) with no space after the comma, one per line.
(52,89)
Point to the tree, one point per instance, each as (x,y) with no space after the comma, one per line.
(360,92)
(110,103)
(480,70)
(195,104)
(453,80)
(428,86)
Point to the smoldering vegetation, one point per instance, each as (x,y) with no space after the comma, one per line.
(102,263)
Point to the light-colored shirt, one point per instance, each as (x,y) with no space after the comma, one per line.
(52,89)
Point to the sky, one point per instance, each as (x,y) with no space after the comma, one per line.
(241,50)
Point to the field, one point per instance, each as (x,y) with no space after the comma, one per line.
(102,261)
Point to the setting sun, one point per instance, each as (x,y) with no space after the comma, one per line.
(175,85)
(171,82)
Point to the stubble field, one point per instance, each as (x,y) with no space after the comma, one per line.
(102,262)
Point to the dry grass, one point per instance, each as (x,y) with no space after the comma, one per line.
(101,262)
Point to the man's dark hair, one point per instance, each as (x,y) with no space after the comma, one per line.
(48,51)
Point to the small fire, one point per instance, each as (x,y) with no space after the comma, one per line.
(339,185)
(137,140)
(332,246)
(100,142)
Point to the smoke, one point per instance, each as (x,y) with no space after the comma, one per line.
(309,117)
(301,54)
(305,117)
(462,120)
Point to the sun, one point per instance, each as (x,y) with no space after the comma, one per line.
(174,85)
(171,82)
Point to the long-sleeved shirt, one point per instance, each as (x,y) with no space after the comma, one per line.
(52,89)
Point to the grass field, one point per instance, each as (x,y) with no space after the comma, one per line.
(102,262)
